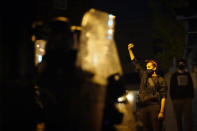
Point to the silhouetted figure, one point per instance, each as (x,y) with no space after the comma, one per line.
(152,94)
(182,93)
(56,75)
(194,108)
(112,116)
(20,108)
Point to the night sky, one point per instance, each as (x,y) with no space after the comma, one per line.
(126,9)
(133,24)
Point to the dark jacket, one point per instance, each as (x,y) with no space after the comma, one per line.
(152,89)
(181,86)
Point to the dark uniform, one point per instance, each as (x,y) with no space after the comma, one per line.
(56,76)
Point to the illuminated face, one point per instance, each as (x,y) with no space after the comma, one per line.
(149,66)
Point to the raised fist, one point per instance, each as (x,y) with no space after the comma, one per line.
(130,45)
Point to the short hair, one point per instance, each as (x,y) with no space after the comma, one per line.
(153,62)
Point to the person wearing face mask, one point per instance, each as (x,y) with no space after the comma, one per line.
(182,93)
(152,94)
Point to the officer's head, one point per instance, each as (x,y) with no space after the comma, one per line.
(60,36)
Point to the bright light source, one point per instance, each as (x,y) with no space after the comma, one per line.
(39,58)
(110,26)
(39,50)
(130,97)
(121,99)
(111,16)
(110,22)
(110,31)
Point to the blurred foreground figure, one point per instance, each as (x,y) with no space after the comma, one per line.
(111,115)
(97,55)
(152,94)
(194,107)
(182,93)
(56,75)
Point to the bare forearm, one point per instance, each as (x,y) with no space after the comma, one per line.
(130,46)
(131,54)
(162,105)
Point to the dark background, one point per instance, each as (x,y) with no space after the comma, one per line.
(134,23)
